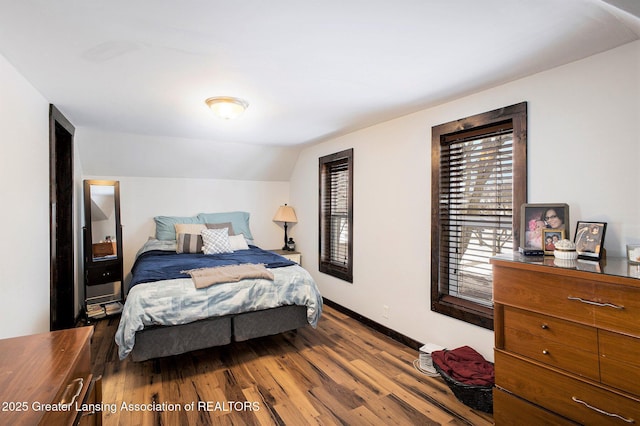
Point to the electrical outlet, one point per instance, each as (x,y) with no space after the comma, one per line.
(385,311)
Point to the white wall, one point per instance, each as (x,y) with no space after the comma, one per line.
(143,198)
(583,149)
(24,190)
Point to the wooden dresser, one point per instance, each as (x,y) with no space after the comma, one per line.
(46,379)
(567,342)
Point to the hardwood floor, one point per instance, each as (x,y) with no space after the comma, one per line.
(342,373)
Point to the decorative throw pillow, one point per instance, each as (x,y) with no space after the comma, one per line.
(238,242)
(189,243)
(189,228)
(216,241)
(220,226)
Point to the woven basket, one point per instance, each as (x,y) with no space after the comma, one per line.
(474,396)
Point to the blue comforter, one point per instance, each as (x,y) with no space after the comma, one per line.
(156,265)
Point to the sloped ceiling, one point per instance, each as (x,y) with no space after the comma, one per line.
(102,207)
(134,74)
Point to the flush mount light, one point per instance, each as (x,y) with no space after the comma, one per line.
(227,107)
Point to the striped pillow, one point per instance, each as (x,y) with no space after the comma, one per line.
(216,241)
(189,243)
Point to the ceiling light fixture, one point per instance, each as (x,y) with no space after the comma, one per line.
(227,107)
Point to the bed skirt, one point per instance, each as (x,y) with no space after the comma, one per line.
(161,341)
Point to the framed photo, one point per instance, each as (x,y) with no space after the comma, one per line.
(550,237)
(633,253)
(589,240)
(534,218)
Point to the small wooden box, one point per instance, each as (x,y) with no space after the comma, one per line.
(104,249)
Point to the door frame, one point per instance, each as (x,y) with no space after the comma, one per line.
(62,283)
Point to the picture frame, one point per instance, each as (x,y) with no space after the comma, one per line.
(633,254)
(550,237)
(534,218)
(589,240)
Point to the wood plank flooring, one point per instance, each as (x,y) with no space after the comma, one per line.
(342,373)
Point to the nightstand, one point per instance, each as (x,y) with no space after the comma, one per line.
(294,256)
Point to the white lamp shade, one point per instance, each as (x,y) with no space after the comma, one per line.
(285,214)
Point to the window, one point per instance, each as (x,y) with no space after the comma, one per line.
(479,173)
(336,215)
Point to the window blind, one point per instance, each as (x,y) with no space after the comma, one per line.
(336,215)
(476,210)
(478,187)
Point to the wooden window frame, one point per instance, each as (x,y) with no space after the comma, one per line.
(476,125)
(325,263)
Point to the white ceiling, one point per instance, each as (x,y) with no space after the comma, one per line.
(309,69)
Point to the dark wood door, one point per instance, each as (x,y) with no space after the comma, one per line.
(62,283)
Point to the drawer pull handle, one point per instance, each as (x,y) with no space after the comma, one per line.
(579,401)
(590,302)
(78,384)
(545,326)
(545,352)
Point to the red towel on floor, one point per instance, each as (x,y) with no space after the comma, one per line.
(465,365)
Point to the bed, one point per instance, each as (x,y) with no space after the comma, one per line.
(165,313)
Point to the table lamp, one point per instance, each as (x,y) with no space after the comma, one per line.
(285,214)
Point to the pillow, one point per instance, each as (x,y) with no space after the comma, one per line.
(239,221)
(189,243)
(216,241)
(190,239)
(189,228)
(219,226)
(165,225)
(237,242)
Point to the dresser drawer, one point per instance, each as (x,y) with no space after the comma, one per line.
(569,346)
(578,400)
(94,398)
(542,292)
(43,370)
(619,357)
(103,274)
(621,308)
(508,407)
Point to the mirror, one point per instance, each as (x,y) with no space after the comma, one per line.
(102,221)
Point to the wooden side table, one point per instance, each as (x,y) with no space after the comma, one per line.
(294,256)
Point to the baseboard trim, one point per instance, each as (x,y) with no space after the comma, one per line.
(407,341)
